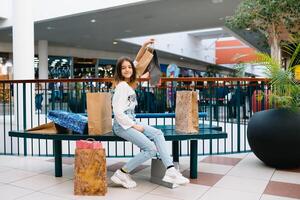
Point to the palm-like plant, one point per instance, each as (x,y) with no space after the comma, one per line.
(285,91)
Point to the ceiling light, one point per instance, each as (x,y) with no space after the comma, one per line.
(50,28)
(128,31)
(115,42)
(93,21)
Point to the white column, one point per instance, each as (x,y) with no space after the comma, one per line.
(43,59)
(23,39)
(23,61)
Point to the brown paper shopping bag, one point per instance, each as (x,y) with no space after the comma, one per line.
(48,128)
(90,172)
(144,61)
(44,128)
(186,112)
(99,113)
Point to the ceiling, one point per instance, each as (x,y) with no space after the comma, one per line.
(154,17)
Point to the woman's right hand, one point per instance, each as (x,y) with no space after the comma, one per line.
(138,128)
(149,41)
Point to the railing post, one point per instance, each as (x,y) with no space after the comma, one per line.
(238,95)
(210,103)
(24,118)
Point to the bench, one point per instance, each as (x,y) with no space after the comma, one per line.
(205,133)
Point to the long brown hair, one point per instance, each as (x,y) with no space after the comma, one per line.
(118,73)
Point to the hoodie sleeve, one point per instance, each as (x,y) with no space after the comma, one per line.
(119,103)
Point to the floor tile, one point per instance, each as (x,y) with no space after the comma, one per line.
(272,197)
(222,160)
(4,169)
(40,196)
(189,191)
(258,172)
(15,175)
(67,171)
(65,160)
(39,182)
(33,164)
(286,176)
(236,155)
(242,184)
(122,193)
(214,168)
(227,194)
(65,190)
(12,192)
(207,179)
(153,197)
(250,161)
(283,189)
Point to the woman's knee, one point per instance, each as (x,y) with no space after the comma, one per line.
(151,151)
(158,134)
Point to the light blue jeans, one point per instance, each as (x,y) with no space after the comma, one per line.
(151,142)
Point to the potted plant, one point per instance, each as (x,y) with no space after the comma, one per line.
(274,135)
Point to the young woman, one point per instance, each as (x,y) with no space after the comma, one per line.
(149,139)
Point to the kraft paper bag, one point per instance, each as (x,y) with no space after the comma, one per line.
(99,113)
(186,112)
(144,62)
(90,172)
(49,128)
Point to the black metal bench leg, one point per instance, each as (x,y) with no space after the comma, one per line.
(194,159)
(57,158)
(175,151)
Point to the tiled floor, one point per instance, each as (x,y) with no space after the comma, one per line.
(232,177)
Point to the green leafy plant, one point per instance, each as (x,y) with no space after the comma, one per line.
(276,19)
(285,90)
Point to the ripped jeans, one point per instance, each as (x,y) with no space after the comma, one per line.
(151,142)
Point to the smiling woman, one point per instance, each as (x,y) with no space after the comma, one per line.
(149,139)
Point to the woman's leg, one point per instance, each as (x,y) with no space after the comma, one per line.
(144,143)
(171,175)
(158,137)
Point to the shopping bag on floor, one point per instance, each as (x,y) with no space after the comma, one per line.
(90,169)
(99,113)
(186,112)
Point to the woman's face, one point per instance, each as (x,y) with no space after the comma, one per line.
(126,70)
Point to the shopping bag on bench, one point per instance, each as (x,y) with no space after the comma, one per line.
(186,112)
(99,113)
(48,128)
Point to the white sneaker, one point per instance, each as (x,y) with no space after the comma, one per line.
(175,177)
(123,179)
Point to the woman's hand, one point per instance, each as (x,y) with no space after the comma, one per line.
(149,41)
(138,128)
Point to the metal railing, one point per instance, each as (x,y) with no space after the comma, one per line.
(228,102)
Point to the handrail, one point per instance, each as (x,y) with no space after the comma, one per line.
(164,79)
